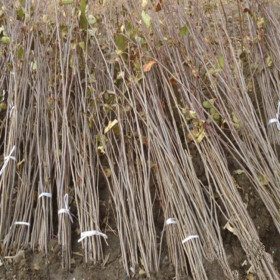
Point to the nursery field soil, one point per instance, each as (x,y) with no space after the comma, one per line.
(29,265)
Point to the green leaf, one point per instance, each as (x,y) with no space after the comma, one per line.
(234,118)
(20,14)
(146,19)
(208,104)
(215,71)
(83,18)
(34,65)
(128,28)
(183,31)
(261,23)
(215,115)
(269,62)
(92,32)
(3,106)
(235,121)
(66,2)
(20,52)
(263,179)
(91,20)
(189,114)
(5,40)
(121,42)
(221,61)
(82,45)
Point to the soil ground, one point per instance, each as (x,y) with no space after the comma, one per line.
(29,265)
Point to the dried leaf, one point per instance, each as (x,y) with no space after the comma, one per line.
(250,277)
(238,172)
(142,272)
(120,75)
(147,67)
(173,81)
(108,172)
(158,6)
(144,3)
(78,253)
(20,163)
(230,228)
(101,150)
(110,125)
(19,256)
(246,10)
(200,136)
(36,266)
(106,259)
(197,135)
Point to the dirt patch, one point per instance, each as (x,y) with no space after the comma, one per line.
(33,265)
(27,264)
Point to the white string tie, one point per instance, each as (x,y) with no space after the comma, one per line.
(91,233)
(170,221)
(22,223)
(276,119)
(66,210)
(46,194)
(6,160)
(190,237)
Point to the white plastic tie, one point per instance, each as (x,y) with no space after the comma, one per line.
(276,119)
(6,160)
(190,237)
(66,210)
(46,194)
(90,233)
(22,223)
(170,221)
